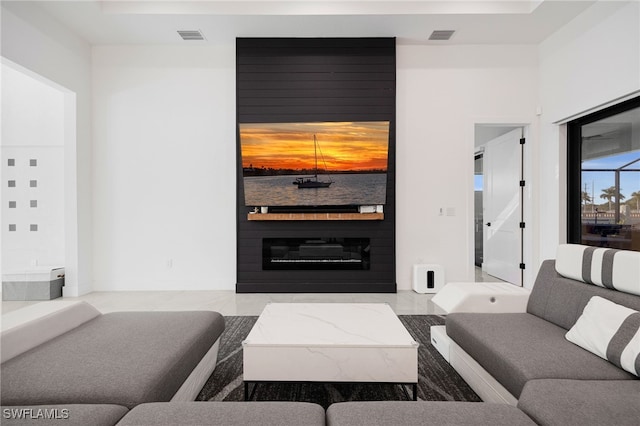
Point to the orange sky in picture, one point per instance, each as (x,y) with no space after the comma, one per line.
(345,146)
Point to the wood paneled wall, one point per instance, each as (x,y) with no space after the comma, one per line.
(316,79)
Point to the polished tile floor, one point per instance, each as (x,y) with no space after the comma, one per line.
(229,303)
(404,302)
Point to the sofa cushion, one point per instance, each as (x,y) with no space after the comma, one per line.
(610,268)
(67,415)
(582,402)
(561,300)
(441,413)
(225,413)
(516,348)
(610,331)
(123,358)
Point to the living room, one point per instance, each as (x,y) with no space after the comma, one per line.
(150,154)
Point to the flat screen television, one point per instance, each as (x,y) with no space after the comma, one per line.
(315,163)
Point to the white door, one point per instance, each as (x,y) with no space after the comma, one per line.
(501,202)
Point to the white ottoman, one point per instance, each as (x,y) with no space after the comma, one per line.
(329,342)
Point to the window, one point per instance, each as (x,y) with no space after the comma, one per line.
(604,178)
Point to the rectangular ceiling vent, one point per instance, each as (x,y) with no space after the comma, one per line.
(191,35)
(441,35)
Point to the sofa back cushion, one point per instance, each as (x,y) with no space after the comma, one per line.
(604,267)
(561,300)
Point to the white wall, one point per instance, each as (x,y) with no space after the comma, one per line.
(164,156)
(442,92)
(164,167)
(33,142)
(592,61)
(34,41)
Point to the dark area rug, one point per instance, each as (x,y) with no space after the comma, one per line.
(437,380)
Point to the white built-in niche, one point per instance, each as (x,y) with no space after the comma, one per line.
(32,173)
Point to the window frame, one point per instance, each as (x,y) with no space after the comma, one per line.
(574,164)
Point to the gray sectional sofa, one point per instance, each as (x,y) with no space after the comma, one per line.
(525,359)
(74,366)
(521,364)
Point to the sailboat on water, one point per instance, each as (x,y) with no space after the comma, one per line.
(313,182)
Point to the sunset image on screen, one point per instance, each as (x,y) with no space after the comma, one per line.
(341,146)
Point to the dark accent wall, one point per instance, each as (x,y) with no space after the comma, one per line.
(316,79)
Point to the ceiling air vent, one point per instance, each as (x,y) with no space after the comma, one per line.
(191,35)
(441,35)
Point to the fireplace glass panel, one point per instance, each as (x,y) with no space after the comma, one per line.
(315,253)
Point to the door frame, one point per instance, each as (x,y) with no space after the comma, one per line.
(529,197)
(478,223)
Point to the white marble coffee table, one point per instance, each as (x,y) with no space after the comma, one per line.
(330,342)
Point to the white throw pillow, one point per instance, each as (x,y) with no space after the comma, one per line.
(610,331)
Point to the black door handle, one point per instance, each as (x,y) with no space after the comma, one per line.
(488,223)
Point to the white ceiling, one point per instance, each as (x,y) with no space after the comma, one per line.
(157,22)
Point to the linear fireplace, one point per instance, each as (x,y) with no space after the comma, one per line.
(316,253)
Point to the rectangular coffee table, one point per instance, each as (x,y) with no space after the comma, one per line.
(329,342)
